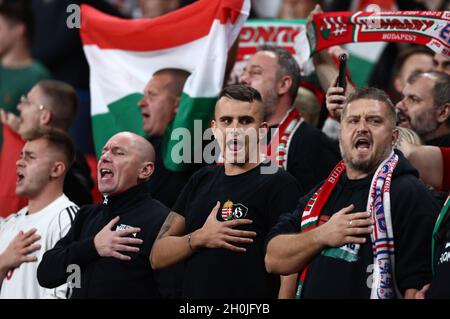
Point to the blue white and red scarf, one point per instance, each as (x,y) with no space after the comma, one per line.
(379,204)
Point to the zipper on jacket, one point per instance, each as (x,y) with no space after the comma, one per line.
(105,199)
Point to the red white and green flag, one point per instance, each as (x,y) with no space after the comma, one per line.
(123,55)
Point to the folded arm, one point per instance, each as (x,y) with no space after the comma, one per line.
(290,253)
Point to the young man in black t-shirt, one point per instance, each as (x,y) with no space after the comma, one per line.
(219,223)
(338,250)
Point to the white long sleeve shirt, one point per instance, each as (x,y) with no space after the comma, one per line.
(52,223)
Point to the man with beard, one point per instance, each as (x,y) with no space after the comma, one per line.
(365,231)
(220,220)
(111,242)
(425,107)
(301,149)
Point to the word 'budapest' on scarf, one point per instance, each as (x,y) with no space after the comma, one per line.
(379,205)
(430,28)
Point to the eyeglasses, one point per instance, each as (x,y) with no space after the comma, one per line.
(24,100)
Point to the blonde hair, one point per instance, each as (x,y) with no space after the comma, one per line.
(408,135)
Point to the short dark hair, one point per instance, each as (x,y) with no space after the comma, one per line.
(288,66)
(58,140)
(244,93)
(241,92)
(179,79)
(372,93)
(62,102)
(19,11)
(408,52)
(441,88)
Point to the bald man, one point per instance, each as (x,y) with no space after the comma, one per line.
(105,254)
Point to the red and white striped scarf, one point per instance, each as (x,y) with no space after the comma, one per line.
(430,28)
(278,148)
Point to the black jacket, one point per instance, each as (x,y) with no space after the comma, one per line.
(311,156)
(107,277)
(165,185)
(442,141)
(78,182)
(336,274)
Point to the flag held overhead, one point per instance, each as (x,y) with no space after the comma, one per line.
(123,55)
(430,28)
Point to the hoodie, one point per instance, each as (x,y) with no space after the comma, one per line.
(346,272)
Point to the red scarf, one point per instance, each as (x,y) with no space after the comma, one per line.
(314,208)
(430,28)
(280,141)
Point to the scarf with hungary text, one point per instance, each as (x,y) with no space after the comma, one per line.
(430,28)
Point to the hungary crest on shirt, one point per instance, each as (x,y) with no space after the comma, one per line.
(232,211)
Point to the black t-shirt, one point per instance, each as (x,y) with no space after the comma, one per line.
(221,273)
(442,141)
(440,286)
(165,185)
(346,272)
(78,182)
(311,156)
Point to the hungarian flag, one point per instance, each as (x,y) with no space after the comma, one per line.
(12,146)
(123,55)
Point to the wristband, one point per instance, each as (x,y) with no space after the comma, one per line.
(189,242)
